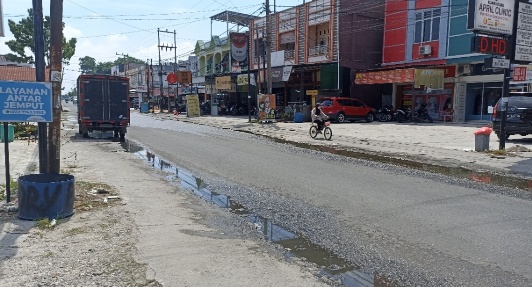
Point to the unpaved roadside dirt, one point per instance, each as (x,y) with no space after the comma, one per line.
(154,235)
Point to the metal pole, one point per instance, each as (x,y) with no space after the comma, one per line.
(38,39)
(506,80)
(56,57)
(249,77)
(147,71)
(258,63)
(175,70)
(338,41)
(268,46)
(504,108)
(151,72)
(6,152)
(160,71)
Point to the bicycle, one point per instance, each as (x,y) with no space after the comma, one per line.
(326,130)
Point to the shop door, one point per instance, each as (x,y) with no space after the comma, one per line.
(480,96)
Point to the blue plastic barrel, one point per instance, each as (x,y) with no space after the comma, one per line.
(298,117)
(144,107)
(45,195)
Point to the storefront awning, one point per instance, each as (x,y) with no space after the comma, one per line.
(385,77)
(430,78)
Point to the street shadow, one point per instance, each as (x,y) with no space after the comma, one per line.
(523,168)
(12,233)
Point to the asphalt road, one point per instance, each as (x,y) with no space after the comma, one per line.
(412,226)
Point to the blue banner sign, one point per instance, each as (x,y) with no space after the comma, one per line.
(26,101)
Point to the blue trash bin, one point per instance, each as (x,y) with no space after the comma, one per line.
(298,117)
(10,133)
(144,107)
(45,195)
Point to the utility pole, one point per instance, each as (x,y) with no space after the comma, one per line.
(249,75)
(38,39)
(259,82)
(160,63)
(56,57)
(268,46)
(147,80)
(152,85)
(126,57)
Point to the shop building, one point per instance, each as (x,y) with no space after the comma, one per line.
(433,34)
(317,45)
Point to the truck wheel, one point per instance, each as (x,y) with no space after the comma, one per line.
(122,137)
(115,134)
(85,135)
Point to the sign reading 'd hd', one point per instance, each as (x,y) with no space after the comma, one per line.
(25,101)
(490,45)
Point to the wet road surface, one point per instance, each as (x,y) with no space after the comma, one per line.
(410,226)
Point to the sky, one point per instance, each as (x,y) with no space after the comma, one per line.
(109,29)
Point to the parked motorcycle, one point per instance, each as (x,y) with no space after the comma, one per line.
(386,114)
(239,109)
(422,114)
(205,108)
(403,114)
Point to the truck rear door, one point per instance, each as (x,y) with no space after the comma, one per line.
(93,91)
(118,109)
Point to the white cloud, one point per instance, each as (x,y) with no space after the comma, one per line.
(71,32)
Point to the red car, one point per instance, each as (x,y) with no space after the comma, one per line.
(342,109)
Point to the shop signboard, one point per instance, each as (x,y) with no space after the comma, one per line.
(523,41)
(522,73)
(223,83)
(193,109)
(239,52)
(496,63)
(26,101)
(385,77)
(429,78)
(184,77)
(266,104)
(242,80)
(489,45)
(491,16)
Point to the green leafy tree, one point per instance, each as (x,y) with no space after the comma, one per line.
(104,68)
(129,60)
(73,93)
(24,34)
(87,65)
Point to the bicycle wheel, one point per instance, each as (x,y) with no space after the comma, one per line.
(313,131)
(327,133)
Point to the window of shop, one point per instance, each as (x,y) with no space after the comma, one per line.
(479,97)
(427,25)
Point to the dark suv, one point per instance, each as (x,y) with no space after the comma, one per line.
(342,109)
(519,115)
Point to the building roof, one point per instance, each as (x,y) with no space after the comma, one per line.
(234,18)
(17,73)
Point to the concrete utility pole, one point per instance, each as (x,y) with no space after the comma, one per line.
(38,40)
(56,57)
(126,57)
(268,47)
(160,47)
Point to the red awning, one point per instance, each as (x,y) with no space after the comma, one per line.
(385,77)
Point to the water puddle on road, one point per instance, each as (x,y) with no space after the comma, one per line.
(329,264)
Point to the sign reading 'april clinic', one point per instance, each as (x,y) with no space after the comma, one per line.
(25,101)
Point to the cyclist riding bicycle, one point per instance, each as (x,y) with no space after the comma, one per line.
(318,116)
